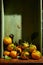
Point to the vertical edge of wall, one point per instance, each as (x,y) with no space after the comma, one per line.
(41,24)
(2,17)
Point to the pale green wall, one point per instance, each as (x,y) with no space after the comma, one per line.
(11,23)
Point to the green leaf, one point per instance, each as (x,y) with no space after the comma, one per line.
(7,58)
(27,49)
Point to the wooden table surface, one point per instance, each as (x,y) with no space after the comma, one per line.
(18,61)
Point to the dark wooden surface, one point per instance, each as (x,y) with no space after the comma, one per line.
(16,61)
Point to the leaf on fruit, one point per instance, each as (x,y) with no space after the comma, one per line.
(7,57)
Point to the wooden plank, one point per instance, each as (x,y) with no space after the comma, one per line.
(18,61)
